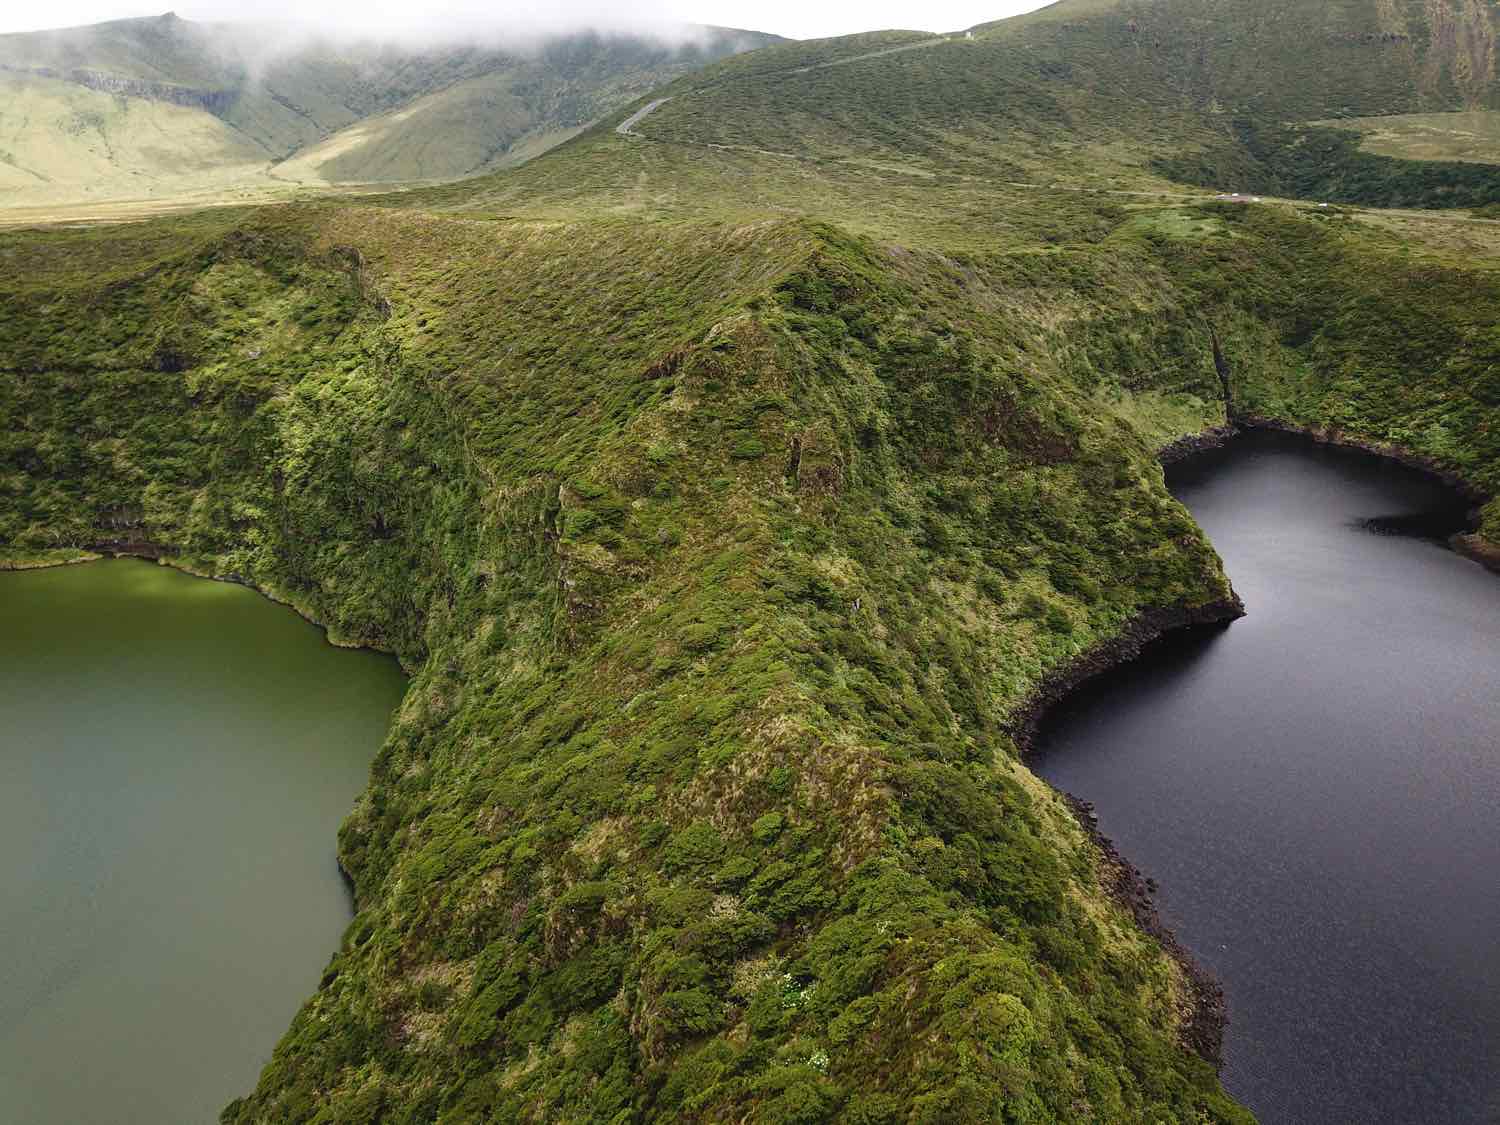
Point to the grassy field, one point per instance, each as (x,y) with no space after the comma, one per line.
(127,210)
(730,491)
(60,141)
(1472,135)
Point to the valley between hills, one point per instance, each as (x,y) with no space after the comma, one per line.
(736,482)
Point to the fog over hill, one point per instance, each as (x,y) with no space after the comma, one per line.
(393,17)
(162,106)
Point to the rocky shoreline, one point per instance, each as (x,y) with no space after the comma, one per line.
(1469,544)
(1216,437)
(1206,1014)
(12,564)
(1147,627)
(1332,435)
(1482,551)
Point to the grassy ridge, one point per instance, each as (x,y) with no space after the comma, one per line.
(719,609)
(714,615)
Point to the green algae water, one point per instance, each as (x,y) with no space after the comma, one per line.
(175,758)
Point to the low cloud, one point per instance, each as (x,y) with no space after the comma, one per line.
(490,22)
(466,21)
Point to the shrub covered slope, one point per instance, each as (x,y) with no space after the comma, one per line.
(730,507)
(718,605)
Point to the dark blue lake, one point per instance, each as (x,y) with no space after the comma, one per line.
(1316,789)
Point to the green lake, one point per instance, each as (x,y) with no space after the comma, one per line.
(176,756)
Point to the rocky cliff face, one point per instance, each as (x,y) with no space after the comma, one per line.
(214,101)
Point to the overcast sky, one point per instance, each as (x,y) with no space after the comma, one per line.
(801,19)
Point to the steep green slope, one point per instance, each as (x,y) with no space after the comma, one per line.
(464,129)
(721,607)
(1260,72)
(58,138)
(1051,131)
(1124,97)
(734,508)
(1276,60)
(982,112)
(133,100)
(508,107)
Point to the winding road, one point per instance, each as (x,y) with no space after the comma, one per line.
(626,128)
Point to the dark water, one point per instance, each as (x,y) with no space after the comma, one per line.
(175,758)
(1316,789)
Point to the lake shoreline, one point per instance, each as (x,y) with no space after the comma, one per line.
(22,561)
(1468,543)
(1332,435)
(1206,1016)
(1127,885)
(161,555)
(1189,445)
(1476,547)
(179,758)
(1206,1012)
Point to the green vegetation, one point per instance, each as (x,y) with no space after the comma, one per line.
(1254,76)
(1462,135)
(1322,163)
(730,490)
(1276,61)
(16,559)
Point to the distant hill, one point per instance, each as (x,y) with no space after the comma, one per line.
(1279,59)
(1268,81)
(156,106)
(1124,95)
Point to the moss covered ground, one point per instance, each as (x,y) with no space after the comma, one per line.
(729,508)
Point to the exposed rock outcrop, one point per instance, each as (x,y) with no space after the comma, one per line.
(1187,445)
(1148,626)
(216,102)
